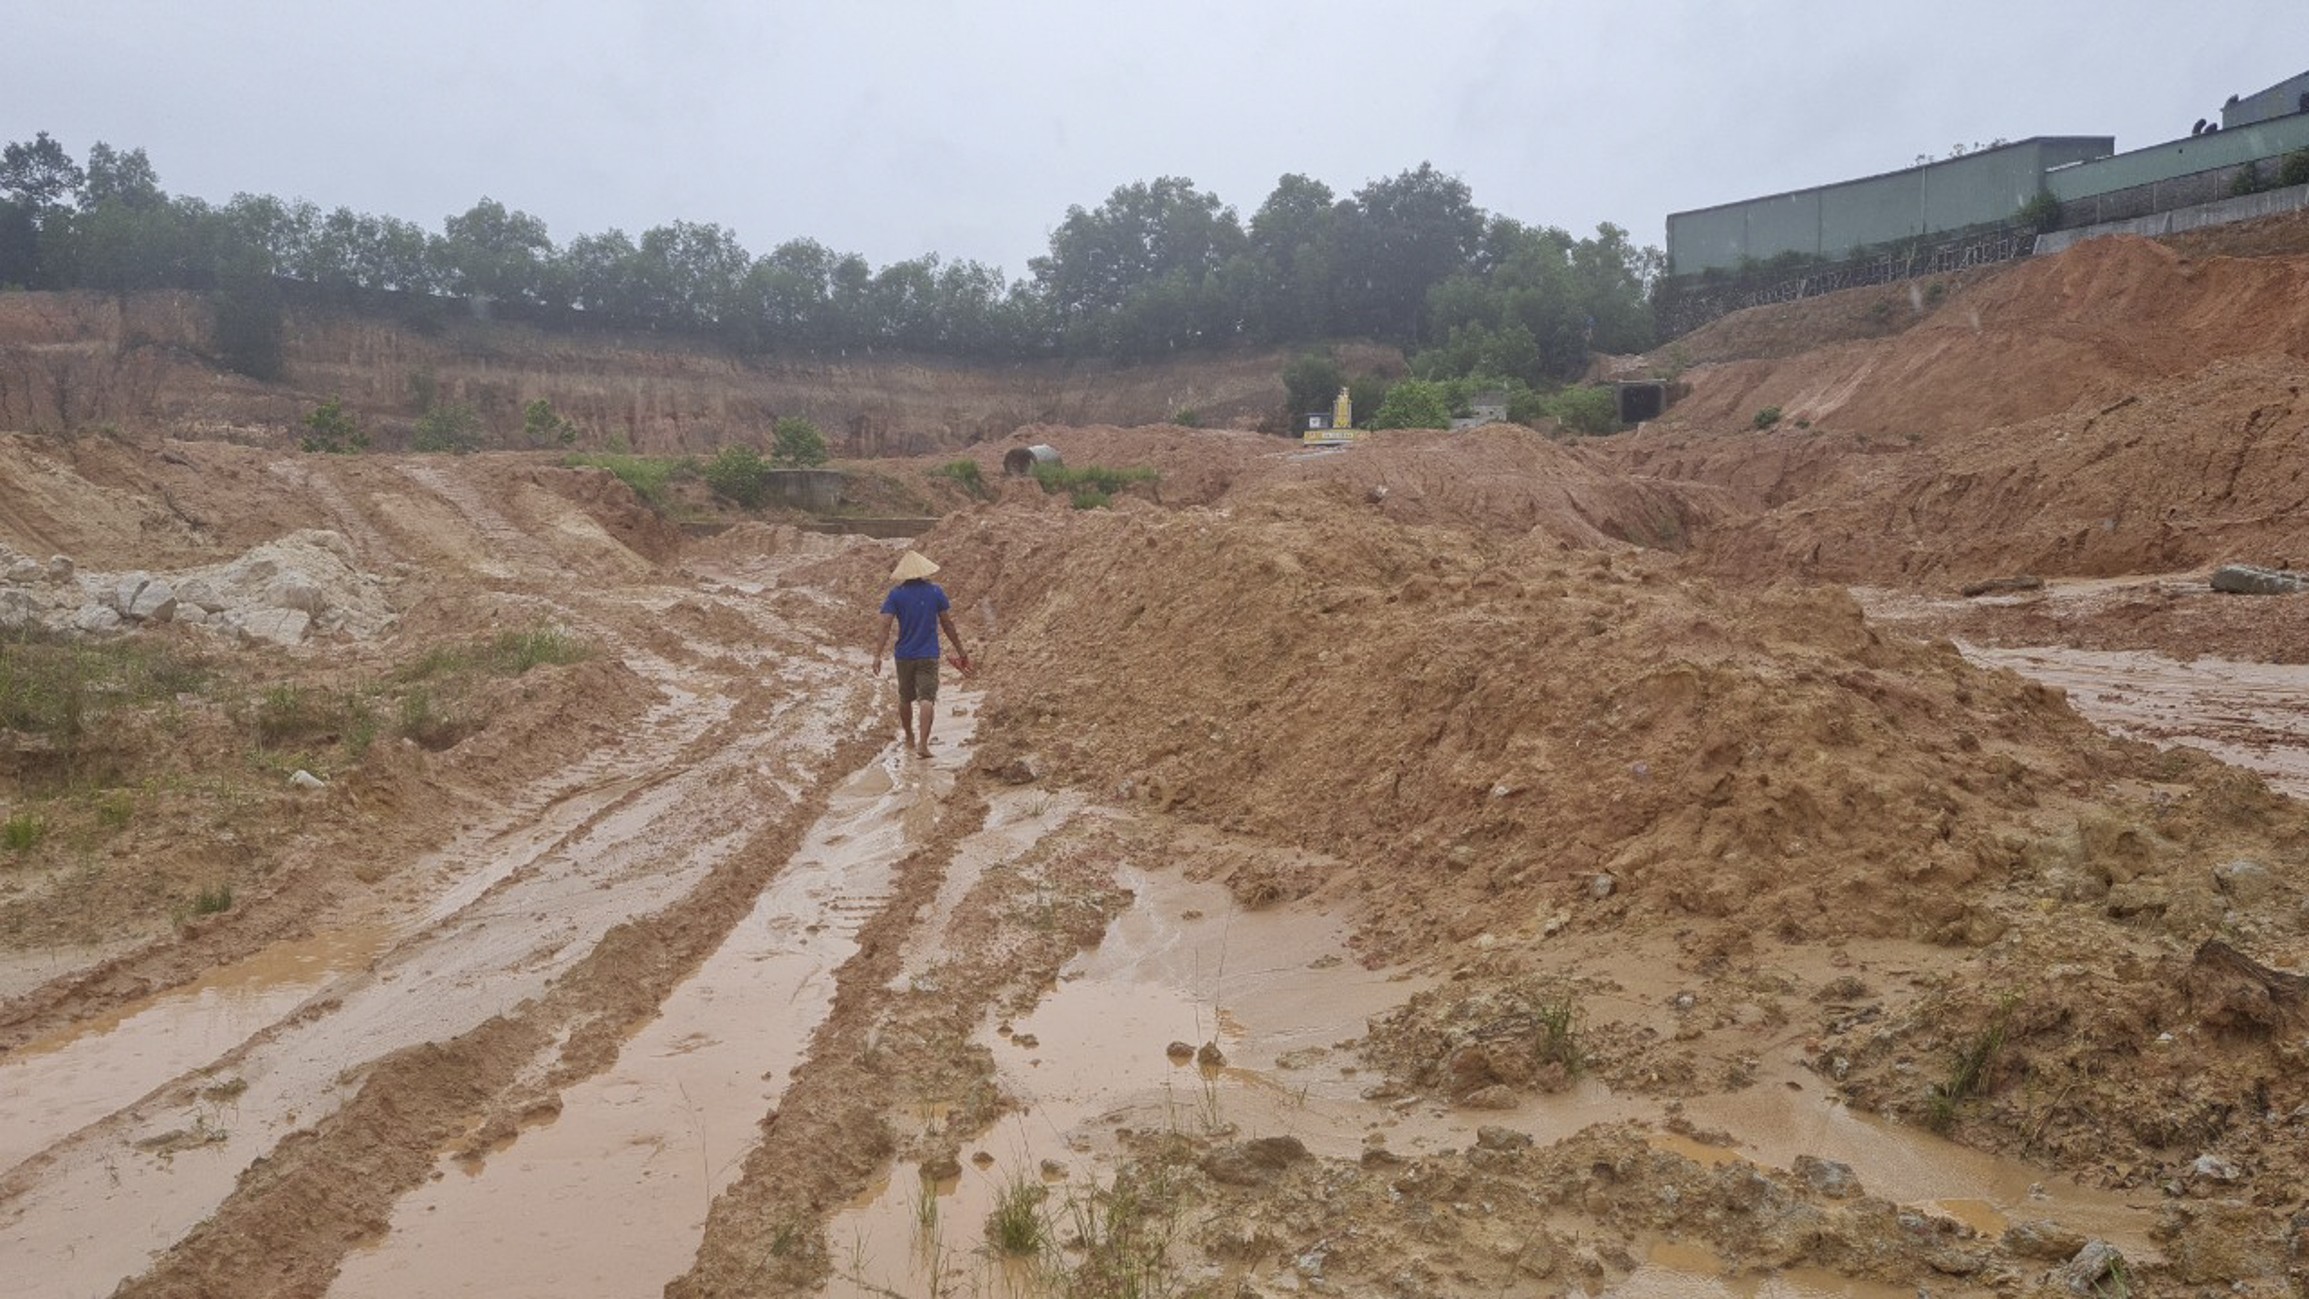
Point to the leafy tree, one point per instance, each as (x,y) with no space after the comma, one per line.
(120,178)
(1150,248)
(1408,233)
(739,473)
(1585,409)
(329,428)
(542,426)
(449,426)
(1312,382)
(795,442)
(1415,403)
(39,175)
(495,254)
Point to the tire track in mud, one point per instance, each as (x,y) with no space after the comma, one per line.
(295,1213)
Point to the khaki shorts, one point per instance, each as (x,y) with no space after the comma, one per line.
(917,679)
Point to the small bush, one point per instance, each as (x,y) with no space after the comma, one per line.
(542,426)
(797,443)
(213,899)
(512,653)
(2040,213)
(449,427)
(1592,410)
(22,832)
(648,477)
(328,428)
(1188,417)
(966,473)
(1767,417)
(2294,169)
(738,473)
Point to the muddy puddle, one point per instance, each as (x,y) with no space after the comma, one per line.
(2252,715)
(609,1197)
(51,1087)
(1275,994)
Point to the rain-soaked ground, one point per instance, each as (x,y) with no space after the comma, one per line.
(118,1135)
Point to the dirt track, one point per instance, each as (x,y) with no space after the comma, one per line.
(1568,901)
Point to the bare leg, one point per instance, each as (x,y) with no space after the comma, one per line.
(906,724)
(929,714)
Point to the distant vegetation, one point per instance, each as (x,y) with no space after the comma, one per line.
(1160,267)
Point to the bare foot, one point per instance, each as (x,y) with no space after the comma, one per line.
(907,744)
(924,750)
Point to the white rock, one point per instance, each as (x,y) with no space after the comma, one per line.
(18,609)
(294,590)
(155,602)
(192,615)
(125,591)
(59,568)
(1601,886)
(276,626)
(25,572)
(95,618)
(200,593)
(304,779)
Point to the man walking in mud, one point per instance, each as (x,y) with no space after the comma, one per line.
(916,610)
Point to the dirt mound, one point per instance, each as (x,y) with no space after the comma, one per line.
(2203,469)
(2036,339)
(1486,729)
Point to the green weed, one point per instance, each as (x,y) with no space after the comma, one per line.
(1099,478)
(1766,417)
(213,899)
(965,473)
(1556,1039)
(648,477)
(1969,1072)
(22,832)
(1124,1232)
(1016,1227)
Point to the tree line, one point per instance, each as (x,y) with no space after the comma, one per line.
(1160,267)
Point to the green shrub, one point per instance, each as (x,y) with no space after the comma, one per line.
(542,426)
(965,473)
(1415,403)
(2294,169)
(738,473)
(450,427)
(213,899)
(646,476)
(2041,212)
(1188,417)
(329,428)
(1767,417)
(1593,410)
(291,712)
(796,443)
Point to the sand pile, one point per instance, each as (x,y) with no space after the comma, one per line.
(1504,737)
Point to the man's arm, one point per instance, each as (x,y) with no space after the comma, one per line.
(882,642)
(946,625)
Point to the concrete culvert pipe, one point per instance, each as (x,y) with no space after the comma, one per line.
(1018,462)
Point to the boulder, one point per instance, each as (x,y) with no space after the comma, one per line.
(59,568)
(2246,882)
(2244,579)
(275,626)
(96,619)
(153,602)
(200,593)
(2092,1265)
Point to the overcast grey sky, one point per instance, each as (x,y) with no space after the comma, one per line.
(893,128)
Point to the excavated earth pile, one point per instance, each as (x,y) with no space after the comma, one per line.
(1476,864)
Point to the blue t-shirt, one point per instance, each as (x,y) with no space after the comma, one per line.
(917,606)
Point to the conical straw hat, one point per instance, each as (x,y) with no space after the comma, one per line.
(912,565)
